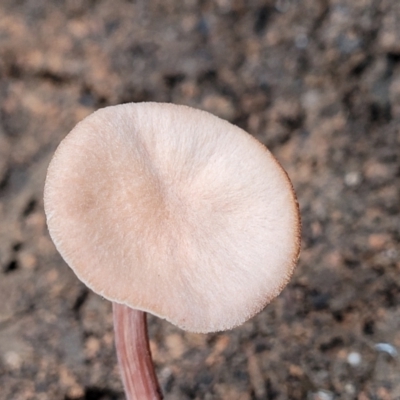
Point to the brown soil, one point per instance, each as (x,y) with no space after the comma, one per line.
(318,81)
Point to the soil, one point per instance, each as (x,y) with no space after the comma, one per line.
(317,81)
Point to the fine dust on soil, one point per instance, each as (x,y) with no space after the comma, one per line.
(317,81)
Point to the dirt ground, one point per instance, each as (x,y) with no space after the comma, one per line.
(317,81)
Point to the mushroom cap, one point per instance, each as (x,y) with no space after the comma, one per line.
(174,211)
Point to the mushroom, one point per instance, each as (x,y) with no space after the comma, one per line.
(166,209)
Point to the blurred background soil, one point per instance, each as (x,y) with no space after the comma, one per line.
(317,81)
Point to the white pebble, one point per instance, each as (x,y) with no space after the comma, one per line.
(386,348)
(352,178)
(350,388)
(322,395)
(12,359)
(354,359)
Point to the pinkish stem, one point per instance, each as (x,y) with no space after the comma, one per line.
(136,365)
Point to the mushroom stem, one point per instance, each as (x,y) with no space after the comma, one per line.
(132,344)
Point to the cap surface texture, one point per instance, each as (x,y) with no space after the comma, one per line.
(174,211)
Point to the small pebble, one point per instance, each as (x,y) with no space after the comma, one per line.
(386,348)
(219,105)
(350,388)
(92,347)
(12,359)
(354,359)
(76,392)
(378,241)
(301,41)
(322,395)
(352,179)
(392,254)
(175,345)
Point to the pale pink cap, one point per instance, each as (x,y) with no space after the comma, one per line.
(174,211)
